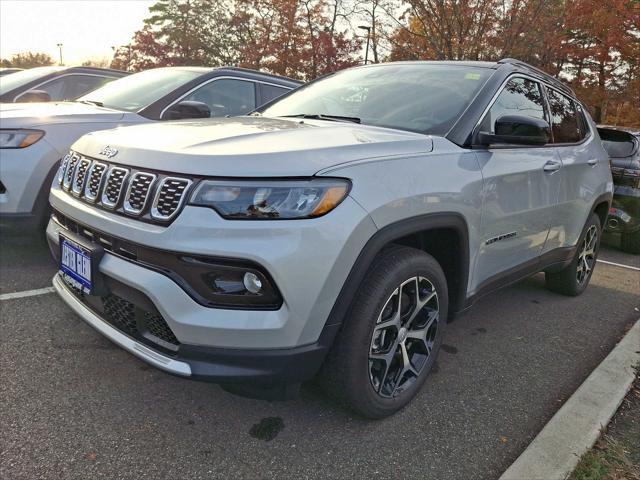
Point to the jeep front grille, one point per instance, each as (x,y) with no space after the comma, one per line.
(169,197)
(80,176)
(150,196)
(69,170)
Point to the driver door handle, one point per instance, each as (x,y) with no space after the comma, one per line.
(593,162)
(552,166)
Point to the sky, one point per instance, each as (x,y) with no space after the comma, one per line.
(86,28)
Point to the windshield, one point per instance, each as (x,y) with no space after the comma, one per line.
(18,79)
(139,90)
(419,98)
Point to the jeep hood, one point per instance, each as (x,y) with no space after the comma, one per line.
(25,115)
(250,146)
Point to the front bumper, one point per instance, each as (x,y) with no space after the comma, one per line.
(265,367)
(309,265)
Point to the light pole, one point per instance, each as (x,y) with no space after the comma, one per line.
(60,47)
(366,51)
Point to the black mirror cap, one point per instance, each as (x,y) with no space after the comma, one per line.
(187,109)
(517,130)
(34,96)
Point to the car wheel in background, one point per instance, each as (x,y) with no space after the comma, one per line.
(391,338)
(574,278)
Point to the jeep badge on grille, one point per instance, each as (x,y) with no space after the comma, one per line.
(108,152)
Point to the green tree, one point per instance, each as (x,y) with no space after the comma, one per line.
(194,32)
(27,60)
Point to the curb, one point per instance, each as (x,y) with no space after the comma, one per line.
(573,430)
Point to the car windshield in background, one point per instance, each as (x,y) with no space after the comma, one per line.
(419,98)
(18,79)
(137,91)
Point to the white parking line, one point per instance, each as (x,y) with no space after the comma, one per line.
(620,265)
(26,293)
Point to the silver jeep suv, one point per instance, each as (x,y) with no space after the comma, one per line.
(333,232)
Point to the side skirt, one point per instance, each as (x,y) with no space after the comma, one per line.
(554,260)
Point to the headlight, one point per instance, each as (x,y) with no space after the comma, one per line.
(19,138)
(271,199)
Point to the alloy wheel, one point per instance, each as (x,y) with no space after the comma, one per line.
(587,255)
(404,337)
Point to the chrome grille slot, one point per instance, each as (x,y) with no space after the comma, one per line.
(113,186)
(169,197)
(63,165)
(95,175)
(80,176)
(69,171)
(138,191)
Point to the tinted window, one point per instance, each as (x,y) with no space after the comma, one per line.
(269,92)
(519,97)
(564,120)
(226,97)
(414,97)
(72,86)
(134,92)
(18,79)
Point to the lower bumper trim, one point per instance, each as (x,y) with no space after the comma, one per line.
(144,353)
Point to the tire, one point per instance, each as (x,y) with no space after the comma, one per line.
(380,386)
(574,278)
(630,242)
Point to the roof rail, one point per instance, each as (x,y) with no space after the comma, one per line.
(556,83)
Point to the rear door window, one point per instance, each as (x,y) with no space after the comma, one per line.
(227,96)
(564,118)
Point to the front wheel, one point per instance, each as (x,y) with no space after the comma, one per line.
(391,338)
(574,278)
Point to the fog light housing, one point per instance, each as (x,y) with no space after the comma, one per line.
(238,286)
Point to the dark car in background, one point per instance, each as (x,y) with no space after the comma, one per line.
(623,147)
(7,70)
(45,84)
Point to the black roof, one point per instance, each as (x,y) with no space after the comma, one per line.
(96,70)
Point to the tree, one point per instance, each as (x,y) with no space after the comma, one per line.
(28,60)
(144,52)
(295,38)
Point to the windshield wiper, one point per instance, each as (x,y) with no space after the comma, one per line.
(320,116)
(91,102)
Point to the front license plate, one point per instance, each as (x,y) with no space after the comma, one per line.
(76,265)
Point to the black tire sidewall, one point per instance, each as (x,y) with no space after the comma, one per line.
(395,266)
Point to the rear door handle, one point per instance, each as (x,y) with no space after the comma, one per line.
(593,162)
(552,166)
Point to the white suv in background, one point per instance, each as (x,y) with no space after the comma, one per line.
(35,136)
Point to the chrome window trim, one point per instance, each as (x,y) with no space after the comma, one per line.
(126,205)
(87,194)
(104,201)
(154,211)
(35,87)
(225,77)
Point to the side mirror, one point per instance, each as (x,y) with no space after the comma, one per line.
(34,96)
(187,109)
(517,130)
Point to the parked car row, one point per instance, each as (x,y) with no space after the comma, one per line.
(34,136)
(331,232)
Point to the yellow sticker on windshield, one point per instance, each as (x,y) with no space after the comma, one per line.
(472,76)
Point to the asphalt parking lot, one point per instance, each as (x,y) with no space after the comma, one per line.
(75,406)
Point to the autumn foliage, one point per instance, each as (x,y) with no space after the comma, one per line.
(594,45)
